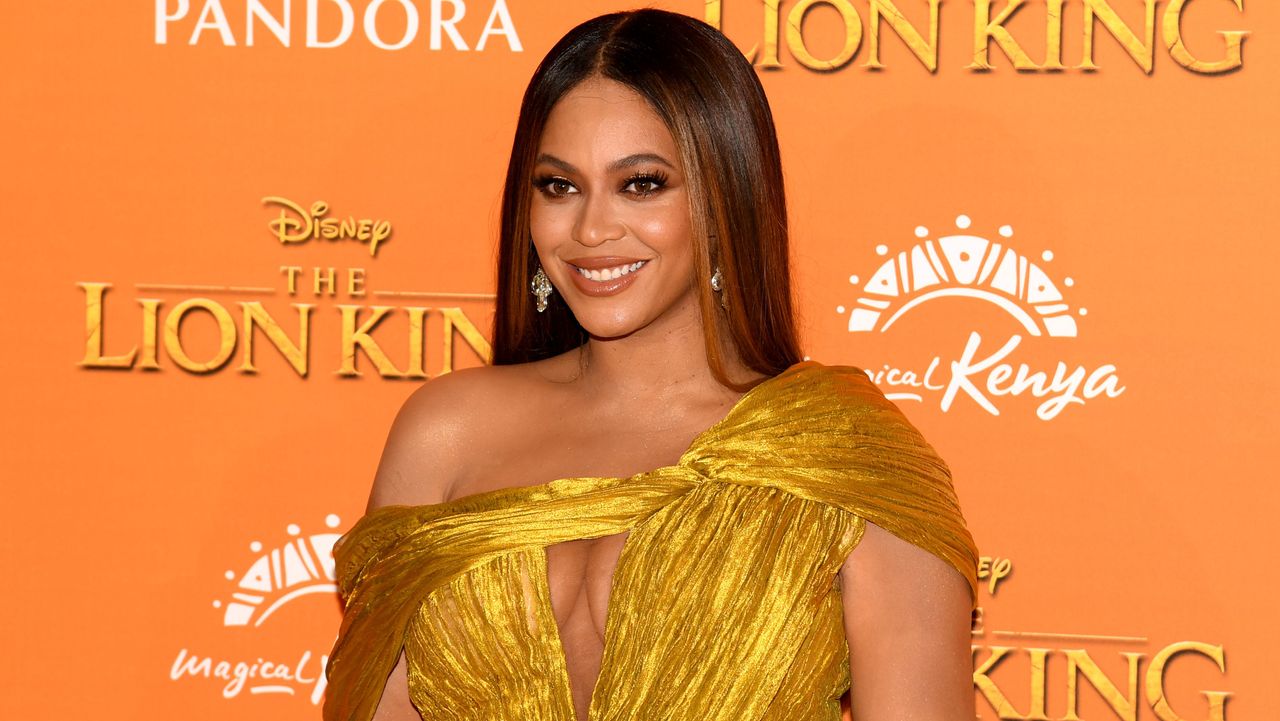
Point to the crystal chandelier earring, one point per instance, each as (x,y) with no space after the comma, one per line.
(717,284)
(717,280)
(541,287)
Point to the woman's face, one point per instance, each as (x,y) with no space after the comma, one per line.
(610,212)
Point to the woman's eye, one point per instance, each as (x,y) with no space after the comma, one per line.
(645,187)
(552,187)
(645,184)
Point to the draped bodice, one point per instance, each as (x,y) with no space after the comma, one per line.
(724,603)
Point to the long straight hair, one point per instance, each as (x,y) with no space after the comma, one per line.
(713,104)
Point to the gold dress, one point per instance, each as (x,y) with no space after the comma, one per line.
(724,604)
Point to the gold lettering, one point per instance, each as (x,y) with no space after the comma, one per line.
(770,37)
(994,571)
(354,338)
(416,324)
(1155,680)
(926,53)
(359,329)
(1038,656)
(1125,707)
(295,229)
(325,280)
(173,335)
(852,34)
(977,621)
(989,25)
(712,14)
(298,225)
(1053,37)
(355,282)
(1178,51)
(999,702)
(331,228)
(150,310)
(985,29)
(454,318)
(713,17)
(1142,53)
(93,357)
(291,273)
(257,316)
(381,232)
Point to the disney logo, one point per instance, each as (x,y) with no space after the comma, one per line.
(296,224)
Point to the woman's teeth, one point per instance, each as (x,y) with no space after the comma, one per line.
(611,273)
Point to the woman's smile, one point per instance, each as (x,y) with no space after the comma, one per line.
(606,275)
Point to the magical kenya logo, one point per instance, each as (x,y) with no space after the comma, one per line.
(966,264)
(272,578)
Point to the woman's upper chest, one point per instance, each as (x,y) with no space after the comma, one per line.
(532,449)
(529,448)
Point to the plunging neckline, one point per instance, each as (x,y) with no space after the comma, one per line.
(556,640)
(571,483)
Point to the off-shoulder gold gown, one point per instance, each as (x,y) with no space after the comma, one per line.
(724,605)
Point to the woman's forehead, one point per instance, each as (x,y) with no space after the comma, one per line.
(600,121)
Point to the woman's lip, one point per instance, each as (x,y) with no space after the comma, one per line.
(599,288)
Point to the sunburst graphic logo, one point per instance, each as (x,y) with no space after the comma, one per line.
(964,265)
(302,565)
(299,565)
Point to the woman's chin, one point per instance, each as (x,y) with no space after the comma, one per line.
(614,318)
(609,326)
(611,331)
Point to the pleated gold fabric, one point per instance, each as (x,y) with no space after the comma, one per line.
(724,603)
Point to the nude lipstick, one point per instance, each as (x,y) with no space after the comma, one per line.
(604,275)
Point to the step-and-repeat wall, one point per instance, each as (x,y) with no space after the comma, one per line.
(243,231)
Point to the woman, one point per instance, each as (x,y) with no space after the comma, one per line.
(650,506)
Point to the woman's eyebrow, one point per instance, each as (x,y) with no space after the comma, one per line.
(621,163)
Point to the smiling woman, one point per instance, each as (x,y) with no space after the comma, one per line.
(651,506)
(612,118)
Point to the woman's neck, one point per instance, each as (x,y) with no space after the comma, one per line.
(662,362)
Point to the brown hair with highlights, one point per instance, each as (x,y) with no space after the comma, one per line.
(708,95)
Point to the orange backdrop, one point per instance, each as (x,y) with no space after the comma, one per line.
(1064,277)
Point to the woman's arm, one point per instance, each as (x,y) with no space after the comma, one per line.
(395,704)
(907,621)
(419,463)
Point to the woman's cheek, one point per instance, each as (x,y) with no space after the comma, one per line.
(548,225)
(664,231)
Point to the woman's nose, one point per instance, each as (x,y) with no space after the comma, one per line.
(598,221)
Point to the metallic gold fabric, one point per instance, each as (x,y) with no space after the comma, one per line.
(724,604)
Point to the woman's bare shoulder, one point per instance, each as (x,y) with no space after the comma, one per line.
(445,421)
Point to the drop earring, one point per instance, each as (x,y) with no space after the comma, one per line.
(541,287)
(717,284)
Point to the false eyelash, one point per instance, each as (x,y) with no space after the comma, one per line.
(657,178)
(542,181)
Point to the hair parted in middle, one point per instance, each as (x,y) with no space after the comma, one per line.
(713,104)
